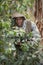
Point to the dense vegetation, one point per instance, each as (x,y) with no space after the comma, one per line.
(9,53)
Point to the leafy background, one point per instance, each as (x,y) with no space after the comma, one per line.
(7,7)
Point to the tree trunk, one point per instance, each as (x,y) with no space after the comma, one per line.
(39,15)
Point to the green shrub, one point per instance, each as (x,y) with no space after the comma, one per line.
(18,50)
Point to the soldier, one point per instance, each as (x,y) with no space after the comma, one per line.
(28,26)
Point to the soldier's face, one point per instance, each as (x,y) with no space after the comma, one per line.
(19,21)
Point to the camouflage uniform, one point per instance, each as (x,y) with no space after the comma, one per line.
(29,26)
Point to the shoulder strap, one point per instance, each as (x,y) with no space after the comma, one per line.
(28,26)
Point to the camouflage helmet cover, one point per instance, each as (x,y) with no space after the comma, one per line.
(15,15)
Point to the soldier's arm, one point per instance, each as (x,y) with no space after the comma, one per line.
(35,32)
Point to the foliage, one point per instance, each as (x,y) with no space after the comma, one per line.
(12,52)
(8,6)
(16,48)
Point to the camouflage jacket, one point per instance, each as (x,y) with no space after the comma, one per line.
(30,26)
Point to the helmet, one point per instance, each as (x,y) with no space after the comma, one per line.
(15,15)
